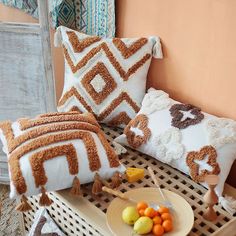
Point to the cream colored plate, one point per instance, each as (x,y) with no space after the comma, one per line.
(183,217)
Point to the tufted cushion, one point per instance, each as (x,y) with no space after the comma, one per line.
(183,136)
(105,76)
(49,151)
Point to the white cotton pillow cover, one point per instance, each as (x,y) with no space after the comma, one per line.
(105,76)
(171,145)
(68,133)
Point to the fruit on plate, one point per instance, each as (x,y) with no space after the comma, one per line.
(141,212)
(130,215)
(150,212)
(158,230)
(157,220)
(166,216)
(163,209)
(145,219)
(142,205)
(143,225)
(167,225)
(134,174)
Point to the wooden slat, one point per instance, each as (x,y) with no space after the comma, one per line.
(229,229)
(47,54)
(88,211)
(19,27)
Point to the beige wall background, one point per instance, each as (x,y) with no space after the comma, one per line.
(199,44)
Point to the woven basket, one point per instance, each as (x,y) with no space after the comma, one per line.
(86,215)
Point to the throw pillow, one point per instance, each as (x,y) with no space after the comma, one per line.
(105,76)
(184,137)
(56,151)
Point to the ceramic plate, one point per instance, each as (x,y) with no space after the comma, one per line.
(183,217)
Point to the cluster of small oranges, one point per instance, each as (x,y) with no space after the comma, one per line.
(162,219)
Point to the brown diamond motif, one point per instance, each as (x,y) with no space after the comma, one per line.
(99,91)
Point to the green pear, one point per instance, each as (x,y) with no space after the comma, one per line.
(143,225)
(130,215)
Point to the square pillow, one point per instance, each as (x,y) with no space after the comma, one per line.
(44,225)
(105,76)
(184,137)
(56,151)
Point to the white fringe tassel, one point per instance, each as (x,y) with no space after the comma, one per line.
(228,203)
(119,149)
(157,51)
(57,38)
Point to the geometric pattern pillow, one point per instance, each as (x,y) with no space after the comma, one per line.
(184,137)
(105,76)
(49,152)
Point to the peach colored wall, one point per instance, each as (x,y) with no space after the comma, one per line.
(199,43)
(198,39)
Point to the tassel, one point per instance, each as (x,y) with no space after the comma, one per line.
(228,203)
(119,149)
(24,205)
(116,180)
(97,185)
(75,190)
(156,51)
(44,199)
(105,183)
(57,37)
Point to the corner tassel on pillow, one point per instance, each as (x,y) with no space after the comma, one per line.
(97,185)
(228,203)
(44,199)
(116,180)
(24,205)
(57,38)
(157,51)
(75,190)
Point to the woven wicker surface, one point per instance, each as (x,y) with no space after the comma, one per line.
(9,219)
(72,224)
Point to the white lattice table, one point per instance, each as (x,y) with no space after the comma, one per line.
(86,215)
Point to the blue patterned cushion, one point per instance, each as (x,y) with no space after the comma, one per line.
(95,17)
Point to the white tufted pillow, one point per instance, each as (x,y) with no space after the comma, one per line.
(105,76)
(192,141)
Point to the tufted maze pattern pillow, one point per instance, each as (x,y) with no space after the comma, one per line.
(49,152)
(105,76)
(184,137)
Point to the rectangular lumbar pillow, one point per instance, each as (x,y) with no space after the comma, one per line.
(56,151)
(184,137)
(105,76)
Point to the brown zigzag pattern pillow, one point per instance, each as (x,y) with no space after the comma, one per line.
(105,76)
